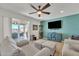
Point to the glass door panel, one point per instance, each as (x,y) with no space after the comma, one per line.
(15,31)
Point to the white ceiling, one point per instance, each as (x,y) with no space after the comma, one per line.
(55,8)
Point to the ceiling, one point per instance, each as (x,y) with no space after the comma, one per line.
(56,9)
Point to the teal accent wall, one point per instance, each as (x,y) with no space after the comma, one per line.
(70,26)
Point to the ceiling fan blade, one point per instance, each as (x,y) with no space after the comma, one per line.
(32,12)
(46,6)
(46,12)
(39,6)
(34,7)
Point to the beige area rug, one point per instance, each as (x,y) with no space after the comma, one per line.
(59,47)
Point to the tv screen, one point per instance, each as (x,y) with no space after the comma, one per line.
(54,24)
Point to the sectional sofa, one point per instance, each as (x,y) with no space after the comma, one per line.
(41,43)
(8,47)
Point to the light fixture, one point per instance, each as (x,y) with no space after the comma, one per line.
(39,12)
(40,9)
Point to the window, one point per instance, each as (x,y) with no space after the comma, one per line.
(21,31)
(15,31)
(18,31)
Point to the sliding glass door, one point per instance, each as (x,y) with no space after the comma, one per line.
(15,31)
(19,31)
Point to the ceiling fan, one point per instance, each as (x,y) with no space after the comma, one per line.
(40,10)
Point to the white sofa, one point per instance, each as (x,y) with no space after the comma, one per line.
(70,48)
(41,43)
(9,48)
(31,50)
(51,45)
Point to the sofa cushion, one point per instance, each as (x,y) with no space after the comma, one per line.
(38,43)
(50,44)
(29,50)
(44,52)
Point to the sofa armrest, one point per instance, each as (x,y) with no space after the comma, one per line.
(70,52)
(44,52)
(18,52)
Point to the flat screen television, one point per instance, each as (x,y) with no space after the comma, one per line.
(54,24)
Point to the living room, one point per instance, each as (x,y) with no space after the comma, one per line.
(39,29)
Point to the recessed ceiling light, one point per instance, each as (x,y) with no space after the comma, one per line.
(62,11)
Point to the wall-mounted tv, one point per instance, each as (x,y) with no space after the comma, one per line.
(54,24)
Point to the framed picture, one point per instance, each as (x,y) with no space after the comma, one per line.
(35,27)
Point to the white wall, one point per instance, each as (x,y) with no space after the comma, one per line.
(35,32)
(6,22)
(1,30)
(6,27)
